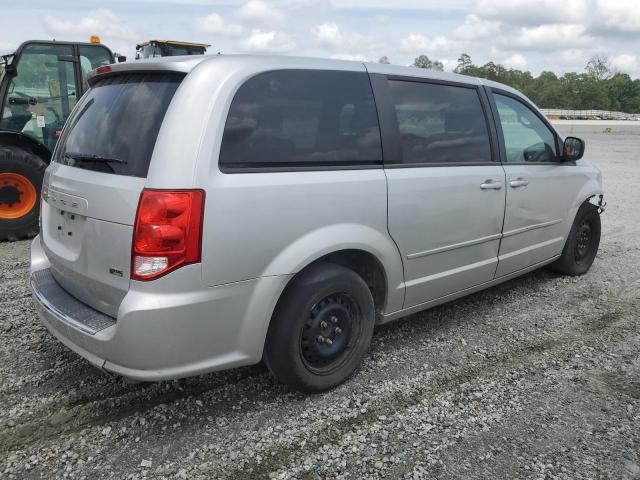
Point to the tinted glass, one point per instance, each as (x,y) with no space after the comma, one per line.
(119,118)
(92,57)
(526,137)
(440,123)
(42,93)
(302,118)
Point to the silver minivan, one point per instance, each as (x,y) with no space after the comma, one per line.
(206,213)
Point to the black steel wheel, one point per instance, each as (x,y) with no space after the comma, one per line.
(583,237)
(329,333)
(321,328)
(582,243)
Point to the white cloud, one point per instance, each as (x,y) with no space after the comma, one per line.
(7,47)
(403,4)
(528,12)
(550,37)
(214,24)
(330,35)
(185,2)
(383,19)
(355,57)
(569,60)
(620,14)
(259,13)
(449,63)
(515,61)
(268,42)
(476,28)
(101,22)
(417,43)
(626,63)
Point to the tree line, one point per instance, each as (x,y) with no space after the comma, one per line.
(597,88)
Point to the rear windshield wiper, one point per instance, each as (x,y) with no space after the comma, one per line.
(85,157)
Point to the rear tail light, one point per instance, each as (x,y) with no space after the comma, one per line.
(167,232)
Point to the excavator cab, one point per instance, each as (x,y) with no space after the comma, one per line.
(41,83)
(168,48)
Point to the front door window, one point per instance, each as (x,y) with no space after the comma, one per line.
(527,139)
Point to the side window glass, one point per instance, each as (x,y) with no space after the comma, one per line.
(526,137)
(440,123)
(92,57)
(302,118)
(42,93)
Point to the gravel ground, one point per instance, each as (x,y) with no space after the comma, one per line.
(535,378)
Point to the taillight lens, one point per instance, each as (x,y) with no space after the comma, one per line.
(167,232)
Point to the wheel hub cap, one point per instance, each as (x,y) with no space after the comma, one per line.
(583,240)
(327,331)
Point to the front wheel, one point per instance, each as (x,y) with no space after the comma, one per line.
(21,175)
(582,243)
(321,328)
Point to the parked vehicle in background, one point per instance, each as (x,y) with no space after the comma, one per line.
(208,213)
(169,48)
(41,83)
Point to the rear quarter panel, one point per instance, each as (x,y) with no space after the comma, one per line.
(271,223)
(264,224)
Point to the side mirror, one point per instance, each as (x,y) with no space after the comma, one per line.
(573,149)
(120,58)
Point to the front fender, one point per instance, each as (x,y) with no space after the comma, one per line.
(333,238)
(590,189)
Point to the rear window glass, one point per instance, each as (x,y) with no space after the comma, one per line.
(290,118)
(440,123)
(116,123)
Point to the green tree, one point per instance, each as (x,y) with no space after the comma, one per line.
(623,93)
(546,91)
(464,63)
(423,62)
(584,92)
(599,68)
(598,88)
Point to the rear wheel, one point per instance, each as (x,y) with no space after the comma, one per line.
(582,243)
(21,175)
(321,328)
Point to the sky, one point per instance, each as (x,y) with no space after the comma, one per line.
(534,35)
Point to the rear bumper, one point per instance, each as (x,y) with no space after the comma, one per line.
(164,329)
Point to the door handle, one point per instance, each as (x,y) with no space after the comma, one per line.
(518,182)
(491,185)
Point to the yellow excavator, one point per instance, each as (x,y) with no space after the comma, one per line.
(168,48)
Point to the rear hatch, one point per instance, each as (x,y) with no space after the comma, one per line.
(92,187)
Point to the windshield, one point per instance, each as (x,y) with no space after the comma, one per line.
(42,92)
(119,119)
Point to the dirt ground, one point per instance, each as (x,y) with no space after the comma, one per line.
(535,378)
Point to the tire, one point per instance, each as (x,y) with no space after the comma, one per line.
(582,243)
(21,175)
(321,328)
